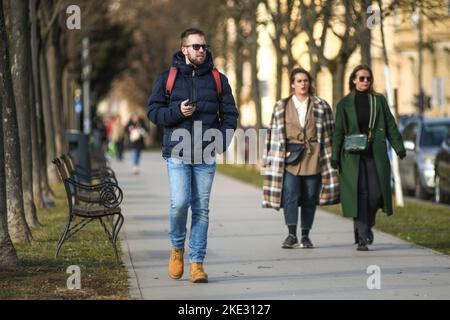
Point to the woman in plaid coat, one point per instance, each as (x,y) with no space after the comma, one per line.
(301,124)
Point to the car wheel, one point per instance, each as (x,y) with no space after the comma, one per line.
(419,191)
(437,190)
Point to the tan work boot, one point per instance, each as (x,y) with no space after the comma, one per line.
(198,275)
(176,263)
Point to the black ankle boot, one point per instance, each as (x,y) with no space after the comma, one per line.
(370,237)
(362,246)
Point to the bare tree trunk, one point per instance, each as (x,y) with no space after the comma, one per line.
(279,71)
(65,100)
(43,99)
(44,171)
(37,188)
(50,149)
(366,36)
(254,66)
(37,163)
(338,74)
(315,69)
(18,226)
(238,70)
(225,41)
(291,60)
(54,74)
(52,53)
(8,257)
(276,15)
(21,71)
(68,94)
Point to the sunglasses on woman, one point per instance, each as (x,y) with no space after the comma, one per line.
(362,78)
(197,47)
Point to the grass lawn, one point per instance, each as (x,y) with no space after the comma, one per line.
(424,224)
(41,276)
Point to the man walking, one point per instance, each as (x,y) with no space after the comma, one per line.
(192,92)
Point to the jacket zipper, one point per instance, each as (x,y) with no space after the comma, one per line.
(194,92)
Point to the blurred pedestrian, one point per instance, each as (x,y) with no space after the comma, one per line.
(118,136)
(363,123)
(297,160)
(99,134)
(137,131)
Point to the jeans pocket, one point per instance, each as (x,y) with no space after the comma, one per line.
(175,161)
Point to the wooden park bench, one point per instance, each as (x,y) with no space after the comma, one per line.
(90,202)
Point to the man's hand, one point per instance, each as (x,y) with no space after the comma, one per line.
(186,109)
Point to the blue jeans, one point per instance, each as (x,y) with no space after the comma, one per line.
(190,185)
(303,190)
(136,156)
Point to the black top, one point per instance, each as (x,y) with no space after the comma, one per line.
(362,110)
(363,113)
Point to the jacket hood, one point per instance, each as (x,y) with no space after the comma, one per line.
(179,62)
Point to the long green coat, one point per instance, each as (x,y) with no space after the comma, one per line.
(385,127)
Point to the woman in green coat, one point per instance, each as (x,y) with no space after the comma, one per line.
(364,173)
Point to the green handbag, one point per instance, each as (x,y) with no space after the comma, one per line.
(359,143)
(356,143)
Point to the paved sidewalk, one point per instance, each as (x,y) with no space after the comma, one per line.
(245,259)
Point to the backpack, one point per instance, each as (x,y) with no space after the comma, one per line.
(173,75)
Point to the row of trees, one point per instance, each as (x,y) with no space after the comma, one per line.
(40,67)
(316,20)
(157,24)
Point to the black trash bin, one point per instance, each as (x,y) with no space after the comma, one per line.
(79,148)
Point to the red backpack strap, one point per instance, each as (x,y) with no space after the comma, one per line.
(218,81)
(170,81)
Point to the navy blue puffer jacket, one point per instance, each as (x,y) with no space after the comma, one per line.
(195,84)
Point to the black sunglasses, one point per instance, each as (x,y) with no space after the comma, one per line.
(361,79)
(197,47)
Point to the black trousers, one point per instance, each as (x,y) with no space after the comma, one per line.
(370,198)
(119,149)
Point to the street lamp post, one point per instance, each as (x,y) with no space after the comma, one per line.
(79,141)
(86,73)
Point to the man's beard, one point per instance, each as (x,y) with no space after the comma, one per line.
(195,61)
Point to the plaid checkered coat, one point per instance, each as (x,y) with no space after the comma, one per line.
(275,150)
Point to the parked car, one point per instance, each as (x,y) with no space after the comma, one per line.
(442,169)
(422,138)
(403,121)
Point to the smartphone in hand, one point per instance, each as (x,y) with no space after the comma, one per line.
(192,104)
